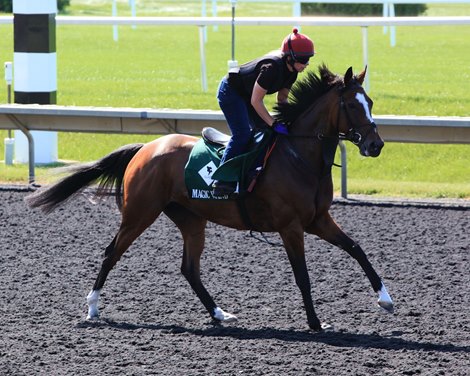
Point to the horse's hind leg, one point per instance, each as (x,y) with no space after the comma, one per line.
(131,228)
(192,228)
(326,228)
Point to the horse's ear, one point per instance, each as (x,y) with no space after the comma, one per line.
(348,76)
(362,75)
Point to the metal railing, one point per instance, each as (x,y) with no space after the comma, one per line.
(202,22)
(416,129)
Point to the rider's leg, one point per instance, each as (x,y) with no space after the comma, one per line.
(236,113)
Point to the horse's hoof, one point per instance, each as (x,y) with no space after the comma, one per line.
(387,306)
(221,315)
(322,327)
(327,327)
(93,314)
(385,301)
(92,318)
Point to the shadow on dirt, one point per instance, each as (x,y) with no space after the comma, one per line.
(333,338)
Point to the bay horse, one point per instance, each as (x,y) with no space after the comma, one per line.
(292,196)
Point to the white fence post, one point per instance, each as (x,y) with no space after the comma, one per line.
(202,52)
(365,55)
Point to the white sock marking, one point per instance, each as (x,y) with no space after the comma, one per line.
(92,300)
(221,315)
(384,296)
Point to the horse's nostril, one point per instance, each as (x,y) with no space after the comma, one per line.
(377,145)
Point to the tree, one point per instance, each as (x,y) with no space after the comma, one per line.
(361,9)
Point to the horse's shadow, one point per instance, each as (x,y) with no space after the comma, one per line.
(332,338)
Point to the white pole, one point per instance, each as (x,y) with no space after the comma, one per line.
(9,142)
(365,55)
(115,28)
(133,10)
(233,64)
(385,14)
(214,14)
(344,170)
(297,11)
(204,14)
(203,59)
(35,76)
(392,28)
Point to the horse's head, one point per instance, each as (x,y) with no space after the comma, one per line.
(355,122)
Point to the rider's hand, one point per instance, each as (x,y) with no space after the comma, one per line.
(280,128)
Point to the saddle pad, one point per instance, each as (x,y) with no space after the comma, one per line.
(203,167)
(202,163)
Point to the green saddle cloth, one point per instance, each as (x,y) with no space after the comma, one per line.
(203,166)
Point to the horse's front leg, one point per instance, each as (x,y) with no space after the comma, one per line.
(326,228)
(294,244)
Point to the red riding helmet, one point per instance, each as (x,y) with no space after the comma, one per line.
(298,46)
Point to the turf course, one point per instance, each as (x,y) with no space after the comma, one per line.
(427,73)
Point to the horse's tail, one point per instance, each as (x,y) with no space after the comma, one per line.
(108,171)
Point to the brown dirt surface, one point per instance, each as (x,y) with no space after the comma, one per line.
(153,324)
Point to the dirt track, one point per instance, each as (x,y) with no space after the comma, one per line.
(152,323)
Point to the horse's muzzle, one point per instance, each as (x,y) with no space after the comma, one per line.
(372,147)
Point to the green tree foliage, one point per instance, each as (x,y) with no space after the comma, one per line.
(7,5)
(361,9)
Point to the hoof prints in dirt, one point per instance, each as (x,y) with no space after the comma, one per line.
(152,324)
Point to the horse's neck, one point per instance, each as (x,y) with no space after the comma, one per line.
(315,135)
(319,119)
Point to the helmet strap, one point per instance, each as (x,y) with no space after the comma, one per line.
(291,63)
(291,57)
(291,51)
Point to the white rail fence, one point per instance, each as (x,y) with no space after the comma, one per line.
(109,120)
(417,129)
(388,7)
(202,22)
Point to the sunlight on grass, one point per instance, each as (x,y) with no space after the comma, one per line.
(144,69)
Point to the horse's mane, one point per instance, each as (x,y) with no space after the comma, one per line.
(305,92)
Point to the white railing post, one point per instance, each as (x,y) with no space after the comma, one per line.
(365,56)
(391,12)
(204,14)
(202,52)
(385,14)
(133,10)
(344,170)
(214,14)
(115,27)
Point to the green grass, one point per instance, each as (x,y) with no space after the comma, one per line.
(427,73)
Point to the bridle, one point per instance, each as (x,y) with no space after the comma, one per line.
(352,134)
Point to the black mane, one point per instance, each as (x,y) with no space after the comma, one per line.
(305,92)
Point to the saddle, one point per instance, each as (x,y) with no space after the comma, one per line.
(214,136)
(203,166)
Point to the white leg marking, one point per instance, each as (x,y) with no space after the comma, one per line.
(92,301)
(221,315)
(385,301)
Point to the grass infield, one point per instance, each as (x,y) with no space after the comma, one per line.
(426,73)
